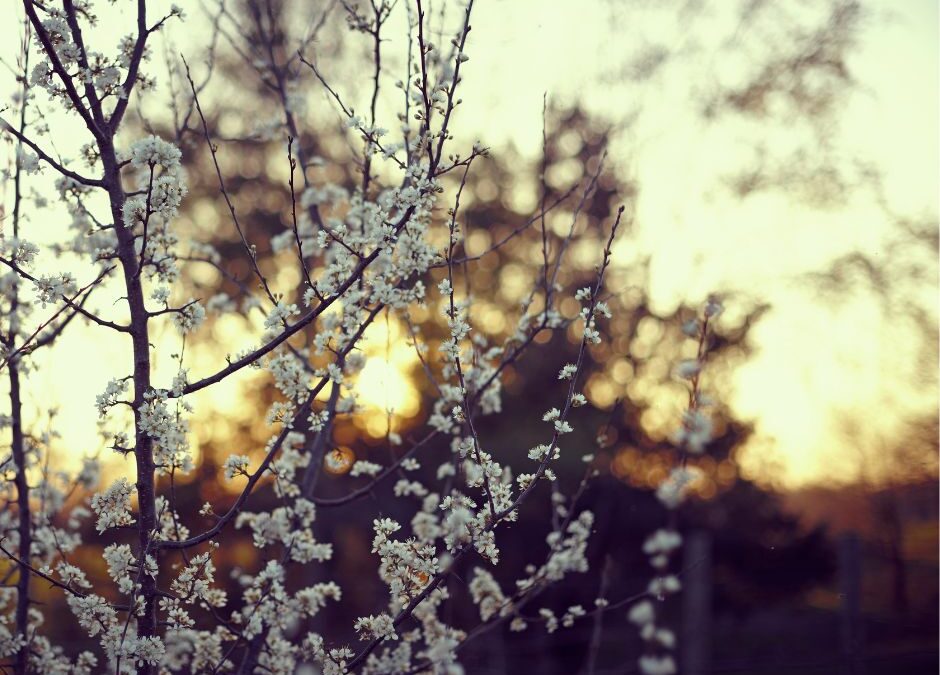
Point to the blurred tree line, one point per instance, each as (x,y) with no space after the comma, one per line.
(763,555)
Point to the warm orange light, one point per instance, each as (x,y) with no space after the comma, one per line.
(385,388)
(339,461)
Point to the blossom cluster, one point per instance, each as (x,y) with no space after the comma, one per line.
(377,248)
(692,436)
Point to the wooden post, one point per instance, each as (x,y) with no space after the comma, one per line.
(695,642)
(850,581)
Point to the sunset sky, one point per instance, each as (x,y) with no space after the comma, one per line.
(818,362)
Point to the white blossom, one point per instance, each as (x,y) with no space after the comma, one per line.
(190,317)
(567,372)
(236,465)
(642,613)
(113,505)
(672,491)
(657,665)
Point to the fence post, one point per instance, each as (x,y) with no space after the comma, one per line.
(697,604)
(850,581)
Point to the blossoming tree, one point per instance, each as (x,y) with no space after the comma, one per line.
(393,243)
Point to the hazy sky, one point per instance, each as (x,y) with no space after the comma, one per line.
(814,361)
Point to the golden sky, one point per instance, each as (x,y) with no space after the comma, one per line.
(816,362)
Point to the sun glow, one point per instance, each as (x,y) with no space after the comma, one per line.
(384,387)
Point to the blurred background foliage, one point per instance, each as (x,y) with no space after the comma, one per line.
(775,69)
